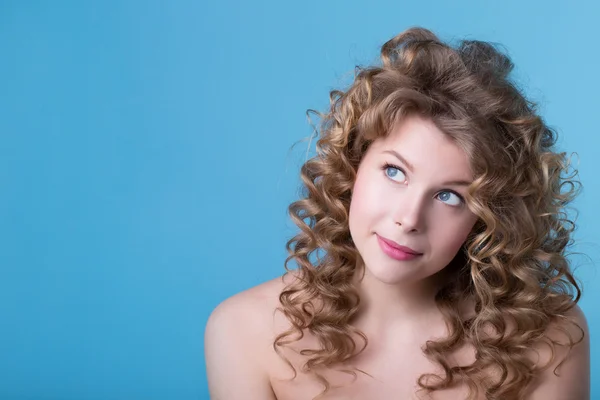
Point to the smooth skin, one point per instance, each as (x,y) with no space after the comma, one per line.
(408,190)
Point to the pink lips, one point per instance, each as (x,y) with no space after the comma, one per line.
(395,251)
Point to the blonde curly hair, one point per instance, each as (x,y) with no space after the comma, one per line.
(513,266)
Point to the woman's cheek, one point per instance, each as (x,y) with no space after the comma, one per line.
(460,234)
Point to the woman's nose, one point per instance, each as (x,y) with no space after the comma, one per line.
(410,212)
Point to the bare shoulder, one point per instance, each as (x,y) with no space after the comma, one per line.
(568,374)
(237,338)
(250,306)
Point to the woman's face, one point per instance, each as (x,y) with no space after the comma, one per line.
(410,189)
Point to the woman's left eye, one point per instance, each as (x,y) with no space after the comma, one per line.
(446,195)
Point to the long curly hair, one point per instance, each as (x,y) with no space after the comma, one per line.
(512,267)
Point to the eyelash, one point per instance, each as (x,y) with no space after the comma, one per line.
(388,165)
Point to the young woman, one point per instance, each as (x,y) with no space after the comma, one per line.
(431,253)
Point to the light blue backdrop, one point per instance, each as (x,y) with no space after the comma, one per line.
(145,171)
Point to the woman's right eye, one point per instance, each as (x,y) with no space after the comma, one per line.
(394,172)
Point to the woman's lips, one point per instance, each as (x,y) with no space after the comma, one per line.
(396,251)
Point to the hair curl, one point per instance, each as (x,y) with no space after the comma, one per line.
(513,266)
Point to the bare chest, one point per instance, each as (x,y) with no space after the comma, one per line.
(393,373)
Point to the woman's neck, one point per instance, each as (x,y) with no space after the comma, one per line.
(385,307)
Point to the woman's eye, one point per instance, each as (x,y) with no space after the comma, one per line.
(450,198)
(395,173)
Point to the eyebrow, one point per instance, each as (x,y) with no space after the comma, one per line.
(411,168)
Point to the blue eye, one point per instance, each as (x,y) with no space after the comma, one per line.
(395,172)
(445,196)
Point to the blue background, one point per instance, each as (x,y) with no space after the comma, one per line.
(146,164)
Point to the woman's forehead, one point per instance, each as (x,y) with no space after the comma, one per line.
(419,142)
